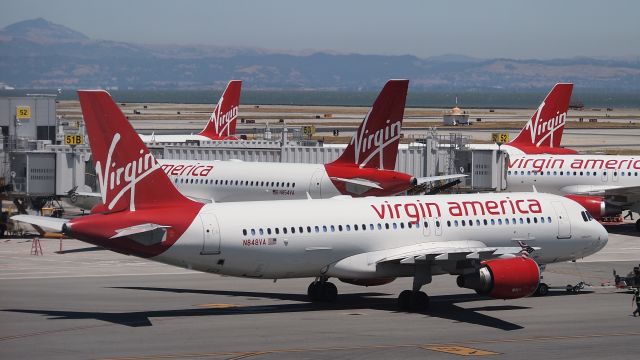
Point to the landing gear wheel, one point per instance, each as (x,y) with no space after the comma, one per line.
(322,291)
(542,290)
(413,300)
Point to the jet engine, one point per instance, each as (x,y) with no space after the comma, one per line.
(511,278)
(596,205)
(368,282)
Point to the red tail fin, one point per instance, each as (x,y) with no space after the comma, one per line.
(222,123)
(375,144)
(545,127)
(129,176)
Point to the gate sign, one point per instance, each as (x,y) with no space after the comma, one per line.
(309,130)
(23,112)
(73,140)
(500,137)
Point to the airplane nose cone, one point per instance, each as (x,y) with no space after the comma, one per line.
(603,238)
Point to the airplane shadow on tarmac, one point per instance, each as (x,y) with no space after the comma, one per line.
(444,307)
(623,229)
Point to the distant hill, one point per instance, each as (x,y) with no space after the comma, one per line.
(40,54)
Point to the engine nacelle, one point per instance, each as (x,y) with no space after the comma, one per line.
(368,282)
(504,278)
(596,205)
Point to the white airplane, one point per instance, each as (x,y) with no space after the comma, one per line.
(365,168)
(221,124)
(604,184)
(485,239)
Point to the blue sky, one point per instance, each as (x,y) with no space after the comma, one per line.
(514,29)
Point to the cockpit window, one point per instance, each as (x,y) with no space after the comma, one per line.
(584,216)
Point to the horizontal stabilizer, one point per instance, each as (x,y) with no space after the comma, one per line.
(360,182)
(422,180)
(137,229)
(43,221)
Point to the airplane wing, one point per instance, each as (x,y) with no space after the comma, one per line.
(422,180)
(450,251)
(43,221)
(621,195)
(360,182)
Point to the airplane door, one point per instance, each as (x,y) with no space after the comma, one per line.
(564,225)
(315,185)
(211,235)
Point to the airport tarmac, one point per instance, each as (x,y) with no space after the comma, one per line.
(96,304)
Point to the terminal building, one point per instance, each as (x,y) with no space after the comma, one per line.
(45,156)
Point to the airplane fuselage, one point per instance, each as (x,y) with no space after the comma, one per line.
(572,174)
(308,238)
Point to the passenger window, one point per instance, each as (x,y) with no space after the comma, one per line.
(333,228)
(386,226)
(317,229)
(269,231)
(371,227)
(261,231)
(448,223)
(542,219)
(293,230)
(277,230)
(549,219)
(455,222)
(379,226)
(355,227)
(244,231)
(395,226)
(437,223)
(493,221)
(284,230)
(339,227)
(409,225)
(253,231)
(324,228)
(528,220)
(309,229)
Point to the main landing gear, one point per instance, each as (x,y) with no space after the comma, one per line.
(322,291)
(542,290)
(416,300)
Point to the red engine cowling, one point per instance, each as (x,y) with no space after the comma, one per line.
(504,278)
(368,282)
(596,206)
